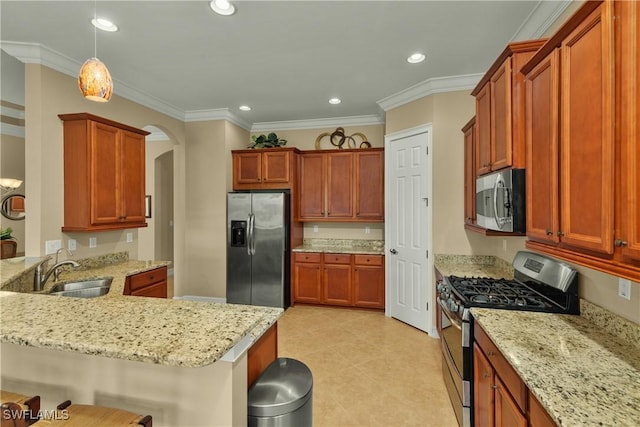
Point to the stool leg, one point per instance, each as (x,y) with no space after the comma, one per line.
(146,421)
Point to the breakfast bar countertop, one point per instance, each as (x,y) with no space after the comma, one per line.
(154,330)
(584,370)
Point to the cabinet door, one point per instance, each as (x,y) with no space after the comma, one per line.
(157,290)
(275,167)
(538,416)
(307,279)
(483,374)
(587,137)
(541,140)
(370,185)
(483,126)
(247,168)
(337,284)
(501,117)
(469,173)
(339,185)
(312,186)
(368,286)
(507,413)
(105,174)
(630,127)
(132,172)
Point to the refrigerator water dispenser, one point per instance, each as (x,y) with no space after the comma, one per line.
(238,233)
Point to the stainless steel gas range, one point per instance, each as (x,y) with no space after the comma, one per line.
(539,284)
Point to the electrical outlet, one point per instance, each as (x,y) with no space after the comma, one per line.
(129,237)
(504,245)
(52,246)
(93,242)
(315,228)
(71,244)
(367,230)
(624,288)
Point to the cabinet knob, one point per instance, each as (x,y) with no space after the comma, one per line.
(560,233)
(549,232)
(620,243)
(493,386)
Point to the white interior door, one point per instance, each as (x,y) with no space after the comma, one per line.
(408,227)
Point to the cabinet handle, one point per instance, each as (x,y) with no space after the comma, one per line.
(560,233)
(493,386)
(491,353)
(620,243)
(549,232)
(486,375)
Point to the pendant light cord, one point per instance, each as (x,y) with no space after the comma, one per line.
(95,30)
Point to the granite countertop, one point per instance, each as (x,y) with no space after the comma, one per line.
(345,246)
(584,370)
(473,265)
(153,330)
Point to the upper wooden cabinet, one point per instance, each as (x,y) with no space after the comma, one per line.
(581,140)
(469,131)
(104,174)
(342,185)
(271,168)
(500,110)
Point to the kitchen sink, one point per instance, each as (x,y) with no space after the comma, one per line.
(82,289)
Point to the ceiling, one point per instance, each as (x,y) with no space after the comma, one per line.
(285,59)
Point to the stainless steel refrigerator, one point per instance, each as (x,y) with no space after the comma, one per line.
(258,248)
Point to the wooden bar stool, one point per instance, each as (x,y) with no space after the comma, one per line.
(73,415)
(27,406)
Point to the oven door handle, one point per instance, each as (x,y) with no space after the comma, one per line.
(447,313)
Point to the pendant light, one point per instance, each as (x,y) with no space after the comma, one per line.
(94,79)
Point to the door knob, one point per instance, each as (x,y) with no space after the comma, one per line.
(393,251)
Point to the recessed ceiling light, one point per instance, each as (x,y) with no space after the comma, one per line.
(222,7)
(416,58)
(104,24)
(335,101)
(244,108)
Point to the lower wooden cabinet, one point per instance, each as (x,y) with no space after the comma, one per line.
(338,279)
(500,397)
(261,354)
(152,283)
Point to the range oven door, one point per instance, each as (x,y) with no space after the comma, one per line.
(453,333)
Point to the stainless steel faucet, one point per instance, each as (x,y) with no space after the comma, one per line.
(39,279)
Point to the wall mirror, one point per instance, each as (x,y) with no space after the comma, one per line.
(13,207)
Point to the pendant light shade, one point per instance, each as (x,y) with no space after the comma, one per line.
(95,81)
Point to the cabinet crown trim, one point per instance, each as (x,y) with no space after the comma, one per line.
(88,116)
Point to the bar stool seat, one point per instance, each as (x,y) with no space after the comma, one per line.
(74,415)
(27,406)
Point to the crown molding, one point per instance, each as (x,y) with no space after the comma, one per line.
(430,87)
(216,114)
(540,19)
(317,123)
(36,53)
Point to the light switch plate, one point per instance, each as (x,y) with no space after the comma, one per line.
(624,288)
(71,244)
(93,242)
(52,246)
(315,228)
(129,237)
(367,230)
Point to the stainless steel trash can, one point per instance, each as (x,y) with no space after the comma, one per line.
(282,395)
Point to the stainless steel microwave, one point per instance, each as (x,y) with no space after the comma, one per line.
(500,201)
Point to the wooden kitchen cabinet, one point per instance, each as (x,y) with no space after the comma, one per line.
(582,151)
(369,185)
(500,110)
(338,279)
(342,185)
(368,281)
(500,396)
(307,278)
(538,417)
(261,354)
(469,131)
(152,283)
(263,169)
(104,174)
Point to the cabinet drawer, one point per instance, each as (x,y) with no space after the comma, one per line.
(147,278)
(368,260)
(337,258)
(503,368)
(306,257)
(157,290)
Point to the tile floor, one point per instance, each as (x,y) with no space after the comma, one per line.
(368,369)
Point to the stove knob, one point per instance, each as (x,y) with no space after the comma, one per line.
(453,306)
(440,287)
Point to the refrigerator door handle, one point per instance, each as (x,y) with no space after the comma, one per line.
(252,233)
(249,229)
